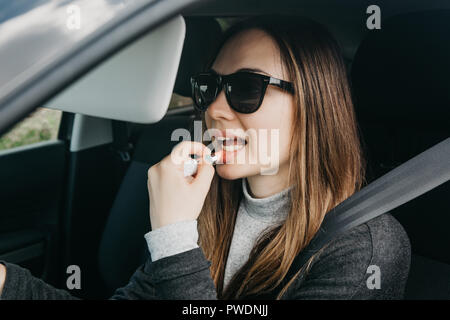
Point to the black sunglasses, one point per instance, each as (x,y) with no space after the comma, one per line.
(244,90)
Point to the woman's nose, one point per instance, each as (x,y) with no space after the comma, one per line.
(220,109)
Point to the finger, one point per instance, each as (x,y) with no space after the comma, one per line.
(182,151)
(186,148)
(213,159)
(205,171)
(205,168)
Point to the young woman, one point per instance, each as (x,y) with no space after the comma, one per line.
(232,232)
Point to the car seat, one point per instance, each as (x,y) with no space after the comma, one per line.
(401,87)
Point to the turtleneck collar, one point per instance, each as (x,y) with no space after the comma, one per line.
(273,208)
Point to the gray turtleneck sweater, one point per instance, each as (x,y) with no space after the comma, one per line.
(253,218)
(346,269)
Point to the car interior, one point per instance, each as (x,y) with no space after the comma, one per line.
(83,198)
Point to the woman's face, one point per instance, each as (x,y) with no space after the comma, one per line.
(268,130)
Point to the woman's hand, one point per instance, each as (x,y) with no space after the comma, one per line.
(173,197)
(2,277)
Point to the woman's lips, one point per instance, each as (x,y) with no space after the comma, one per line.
(229,152)
(229,145)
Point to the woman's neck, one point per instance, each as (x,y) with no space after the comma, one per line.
(262,186)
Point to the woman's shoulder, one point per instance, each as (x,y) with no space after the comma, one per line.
(388,238)
(370,261)
(383,238)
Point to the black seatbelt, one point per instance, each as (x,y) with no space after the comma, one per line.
(413,178)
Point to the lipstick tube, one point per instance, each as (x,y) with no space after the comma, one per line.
(190,166)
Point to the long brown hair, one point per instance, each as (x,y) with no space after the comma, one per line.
(326,163)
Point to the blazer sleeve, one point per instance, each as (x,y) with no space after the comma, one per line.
(181,276)
(20,284)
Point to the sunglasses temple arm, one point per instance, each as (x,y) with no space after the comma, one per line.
(282,84)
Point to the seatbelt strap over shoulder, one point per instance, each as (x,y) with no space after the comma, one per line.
(413,178)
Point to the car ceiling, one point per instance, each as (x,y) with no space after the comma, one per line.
(345,19)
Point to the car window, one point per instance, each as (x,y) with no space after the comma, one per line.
(41,125)
(179,101)
(48,31)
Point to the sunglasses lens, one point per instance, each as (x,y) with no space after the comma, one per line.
(204,89)
(245,92)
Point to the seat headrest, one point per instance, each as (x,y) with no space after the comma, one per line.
(403,69)
(202,36)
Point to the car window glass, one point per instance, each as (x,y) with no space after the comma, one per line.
(34,33)
(179,101)
(41,125)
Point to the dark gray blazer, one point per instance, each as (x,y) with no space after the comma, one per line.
(344,270)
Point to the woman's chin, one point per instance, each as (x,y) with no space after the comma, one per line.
(235,171)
